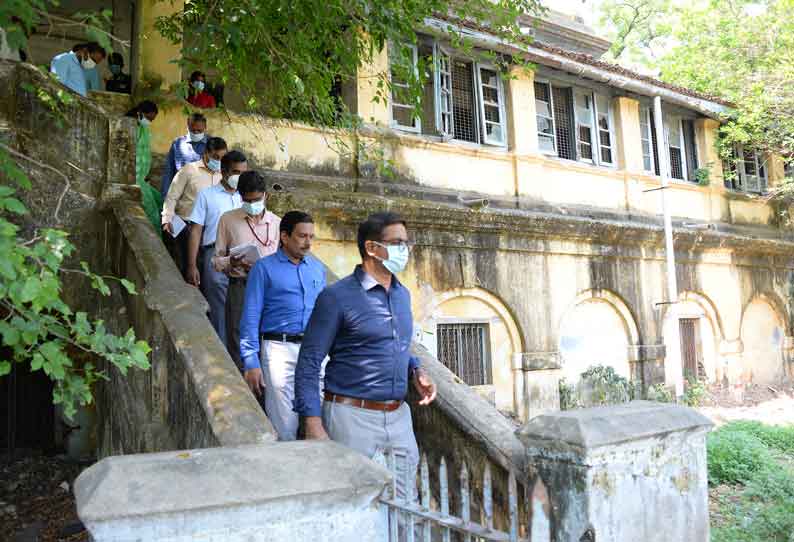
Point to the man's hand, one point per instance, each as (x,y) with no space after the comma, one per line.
(239,262)
(193,276)
(424,386)
(255,381)
(168,228)
(313,426)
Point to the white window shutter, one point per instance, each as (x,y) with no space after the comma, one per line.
(491,98)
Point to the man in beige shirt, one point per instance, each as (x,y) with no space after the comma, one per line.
(192,179)
(251,224)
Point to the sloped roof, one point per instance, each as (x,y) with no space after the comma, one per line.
(529,44)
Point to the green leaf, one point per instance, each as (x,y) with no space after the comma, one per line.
(5,368)
(31,289)
(13,205)
(10,334)
(129,286)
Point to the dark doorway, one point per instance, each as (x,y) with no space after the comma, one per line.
(691,348)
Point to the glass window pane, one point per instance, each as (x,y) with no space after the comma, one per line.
(545,126)
(546,143)
(543,108)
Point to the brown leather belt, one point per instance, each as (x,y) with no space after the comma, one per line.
(381,406)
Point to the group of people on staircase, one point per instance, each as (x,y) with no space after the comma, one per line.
(337,357)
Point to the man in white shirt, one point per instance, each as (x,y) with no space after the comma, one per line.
(210,204)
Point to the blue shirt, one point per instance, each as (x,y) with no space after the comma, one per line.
(92,79)
(69,71)
(279,298)
(182,152)
(210,204)
(367,332)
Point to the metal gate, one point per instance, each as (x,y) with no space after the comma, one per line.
(421,518)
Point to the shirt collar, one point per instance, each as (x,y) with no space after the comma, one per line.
(368,282)
(282,257)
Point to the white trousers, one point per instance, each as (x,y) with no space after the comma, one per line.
(278,360)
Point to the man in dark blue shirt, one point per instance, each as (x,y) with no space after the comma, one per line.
(364,323)
(279,298)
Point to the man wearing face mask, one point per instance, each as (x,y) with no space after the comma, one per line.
(210,205)
(279,298)
(96,55)
(188,182)
(119,81)
(69,68)
(185,149)
(364,322)
(252,224)
(196,94)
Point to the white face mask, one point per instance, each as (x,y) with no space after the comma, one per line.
(232,181)
(88,64)
(254,208)
(198,85)
(143,121)
(195,137)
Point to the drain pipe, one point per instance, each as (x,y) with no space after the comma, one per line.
(673,370)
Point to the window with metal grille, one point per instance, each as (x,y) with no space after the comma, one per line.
(753,170)
(562,103)
(731,177)
(444,95)
(545,119)
(491,105)
(674,146)
(463,108)
(464,349)
(690,147)
(402,112)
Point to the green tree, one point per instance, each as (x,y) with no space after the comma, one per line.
(286,56)
(637,28)
(738,50)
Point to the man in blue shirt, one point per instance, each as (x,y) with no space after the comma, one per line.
(68,68)
(279,298)
(364,322)
(97,54)
(210,204)
(185,149)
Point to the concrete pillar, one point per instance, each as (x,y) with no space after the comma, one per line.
(153,55)
(647,364)
(367,87)
(635,471)
(627,131)
(289,491)
(522,124)
(541,378)
(775,167)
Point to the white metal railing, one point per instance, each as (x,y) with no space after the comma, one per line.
(414,517)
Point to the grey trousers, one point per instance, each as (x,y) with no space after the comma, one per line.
(368,431)
(235,297)
(214,286)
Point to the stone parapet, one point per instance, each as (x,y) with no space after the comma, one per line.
(635,471)
(297,491)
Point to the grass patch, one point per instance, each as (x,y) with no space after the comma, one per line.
(751,472)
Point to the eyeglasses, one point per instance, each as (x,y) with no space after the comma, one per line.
(407,245)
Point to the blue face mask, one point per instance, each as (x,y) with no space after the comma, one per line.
(397,257)
(214,165)
(115,69)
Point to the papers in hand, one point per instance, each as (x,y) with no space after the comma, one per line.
(177,225)
(248,253)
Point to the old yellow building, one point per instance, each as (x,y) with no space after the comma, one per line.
(534,200)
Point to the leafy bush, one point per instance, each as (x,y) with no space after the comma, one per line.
(694,392)
(601,385)
(735,456)
(779,438)
(660,393)
(569,397)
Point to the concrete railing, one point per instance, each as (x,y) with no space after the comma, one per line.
(634,472)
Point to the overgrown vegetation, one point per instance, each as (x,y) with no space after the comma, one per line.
(751,474)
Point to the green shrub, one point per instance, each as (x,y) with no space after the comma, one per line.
(569,397)
(772,483)
(735,456)
(601,385)
(694,392)
(779,438)
(660,393)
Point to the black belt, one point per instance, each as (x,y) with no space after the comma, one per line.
(282,337)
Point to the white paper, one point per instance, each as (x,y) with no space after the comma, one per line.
(177,225)
(248,252)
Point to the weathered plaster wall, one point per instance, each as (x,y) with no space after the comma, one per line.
(81,167)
